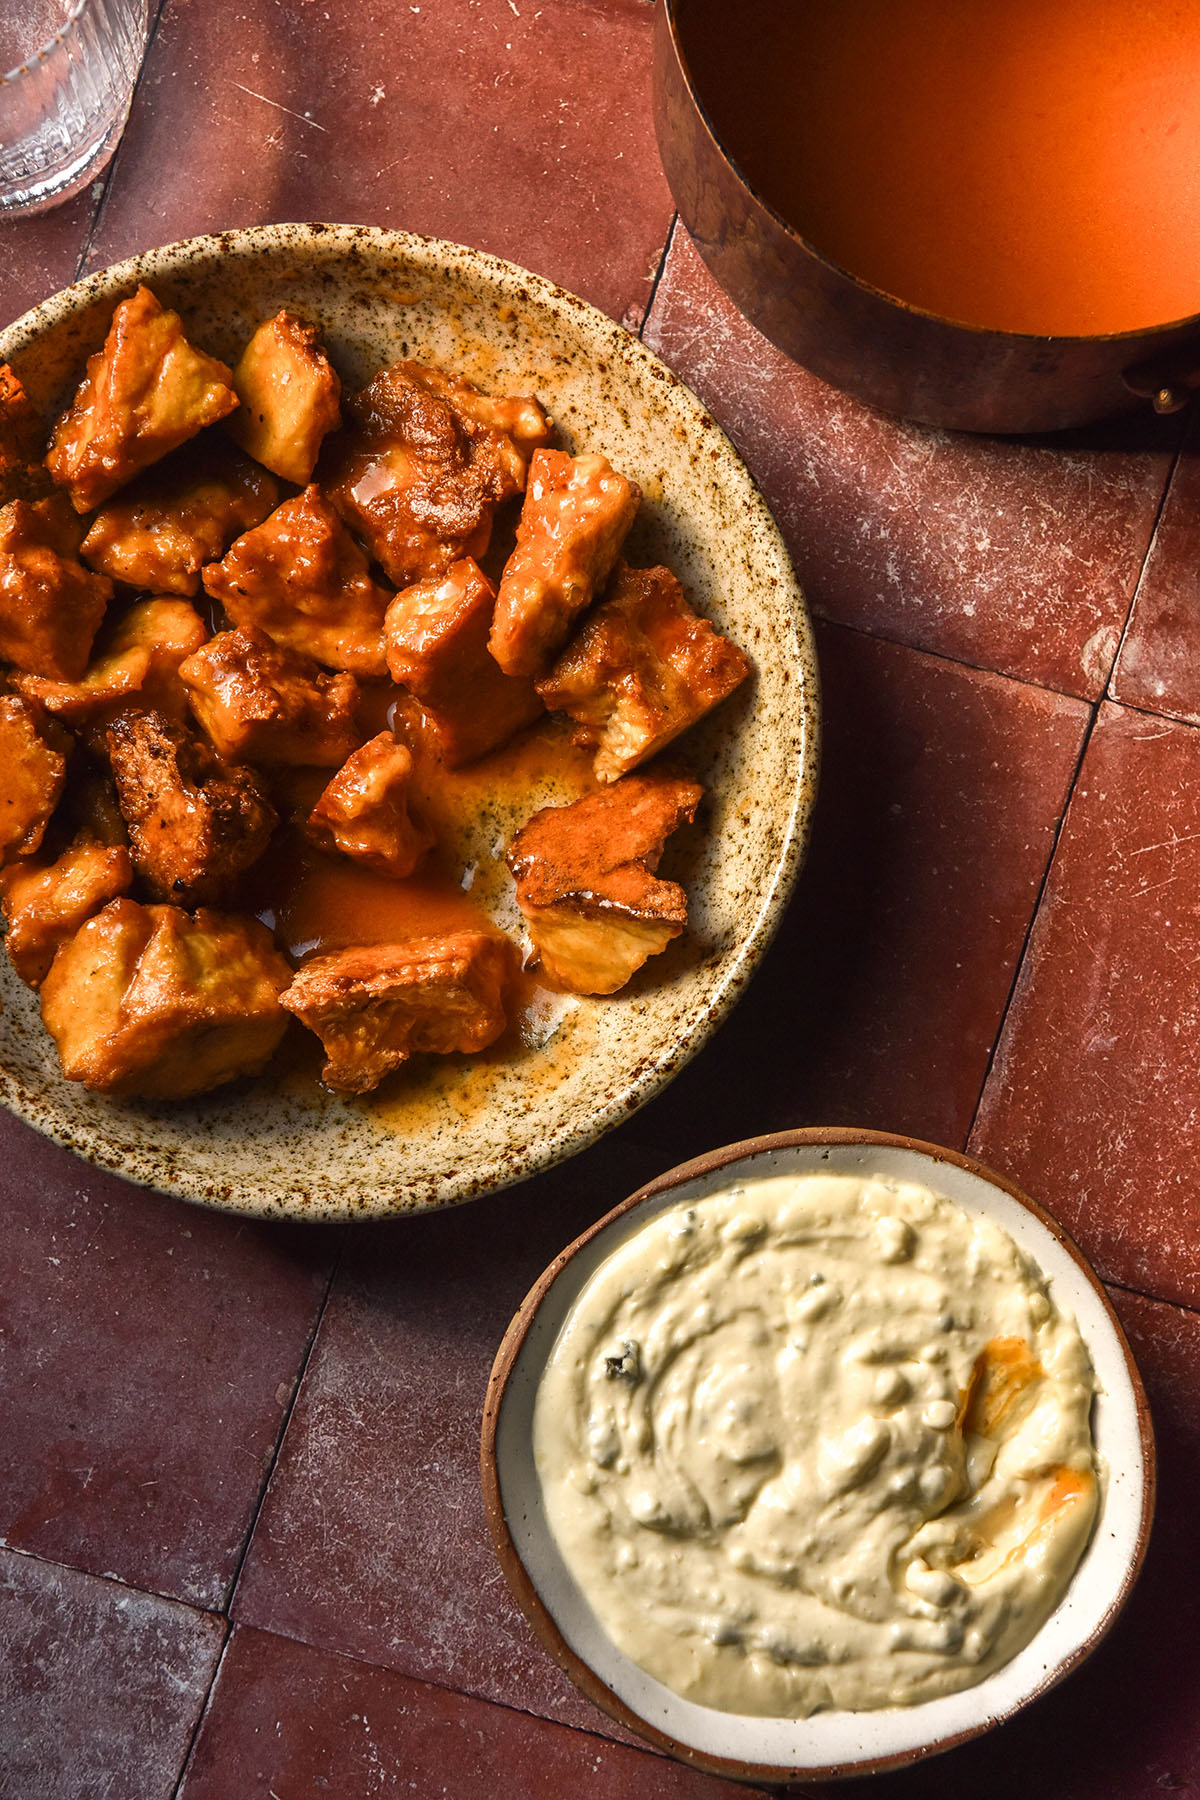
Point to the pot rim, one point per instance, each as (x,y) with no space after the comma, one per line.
(670,10)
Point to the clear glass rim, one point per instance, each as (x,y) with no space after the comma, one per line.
(51,44)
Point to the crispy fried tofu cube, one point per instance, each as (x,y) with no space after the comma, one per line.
(436,635)
(420,471)
(145,393)
(641,668)
(364,812)
(139,656)
(90,808)
(194,823)
(50,605)
(23,475)
(148,1002)
(376,1005)
(33,768)
(302,579)
(46,903)
(577,512)
(183,513)
(586,883)
(521,421)
(262,703)
(289,395)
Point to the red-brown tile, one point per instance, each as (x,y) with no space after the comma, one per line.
(519,128)
(1016,555)
(879,1003)
(1159,664)
(150,1352)
(1092,1099)
(40,255)
(372,1537)
(290,1721)
(101,1686)
(1126,1725)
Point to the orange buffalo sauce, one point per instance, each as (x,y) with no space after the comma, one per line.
(316,903)
(1023,165)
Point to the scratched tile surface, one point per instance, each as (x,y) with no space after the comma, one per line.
(100,1686)
(287,1720)
(982,912)
(1020,555)
(519,128)
(879,1003)
(1159,664)
(148,1354)
(372,1537)
(1092,1100)
(38,256)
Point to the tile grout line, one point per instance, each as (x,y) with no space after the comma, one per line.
(658,275)
(1094,707)
(441,1687)
(1125,1287)
(1039,687)
(110,1580)
(955,662)
(204,1709)
(1185,435)
(109,175)
(305,1359)
(225,1613)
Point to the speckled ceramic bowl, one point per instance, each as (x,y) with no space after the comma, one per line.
(279,1146)
(829,1744)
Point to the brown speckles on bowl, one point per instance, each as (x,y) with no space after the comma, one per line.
(279,1148)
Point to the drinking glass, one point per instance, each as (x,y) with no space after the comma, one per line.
(64,103)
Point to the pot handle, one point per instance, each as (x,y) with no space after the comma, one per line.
(1169,380)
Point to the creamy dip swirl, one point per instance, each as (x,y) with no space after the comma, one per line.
(818,1442)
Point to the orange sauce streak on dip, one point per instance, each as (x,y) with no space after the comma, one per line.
(1022,165)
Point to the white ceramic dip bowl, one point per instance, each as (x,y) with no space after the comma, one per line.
(830,1743)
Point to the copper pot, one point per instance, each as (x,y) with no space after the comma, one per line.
(880,349)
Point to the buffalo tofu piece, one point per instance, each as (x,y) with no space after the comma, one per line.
(33,769)
(46,903)
(138,658)
(436,636)
(302,579)
(183,513)
(151,1003)
(364,812)
(260,702)
(289,397)
(420,471)
(23,474)
(145,393)
(586,883)
(194,823)
(376,1005)
(520,420)
(50,605)
(90,808)
(641,668)
(576,515)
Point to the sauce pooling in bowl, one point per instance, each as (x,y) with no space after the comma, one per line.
(1019,165)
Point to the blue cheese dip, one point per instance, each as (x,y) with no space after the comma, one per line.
(818,1442)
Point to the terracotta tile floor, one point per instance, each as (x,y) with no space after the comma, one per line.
(242,1549)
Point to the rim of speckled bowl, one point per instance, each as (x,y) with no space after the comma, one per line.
(151,1145)
(832,1745)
